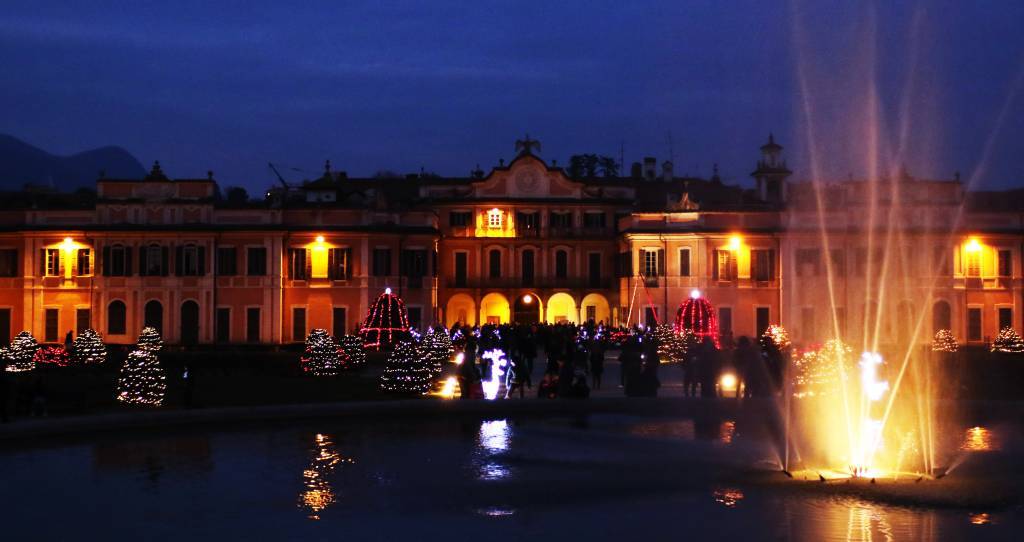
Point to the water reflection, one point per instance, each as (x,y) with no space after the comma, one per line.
(981,519)
(979,439)
(319,494)
(728,497)
(674,429)
(152,458)
(863,521)
(494,438)
(727,431)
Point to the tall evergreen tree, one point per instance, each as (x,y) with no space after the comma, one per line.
(142,380)
(321,354)
(89,348)
(408,371)
(21,352)
(150,340)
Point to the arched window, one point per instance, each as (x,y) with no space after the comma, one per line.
(494,263)
(116,318)
(941,316)
(154,316)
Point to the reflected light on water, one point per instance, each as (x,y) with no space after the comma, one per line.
(981,519)
(727,431)
(978,439)
(495,435)
(319,494)
(728,497)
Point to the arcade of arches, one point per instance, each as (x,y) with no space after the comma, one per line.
(526,308)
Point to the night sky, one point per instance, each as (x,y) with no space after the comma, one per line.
(445,85)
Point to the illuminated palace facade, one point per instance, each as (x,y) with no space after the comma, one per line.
(523,242)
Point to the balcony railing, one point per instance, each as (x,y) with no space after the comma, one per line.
(569,283)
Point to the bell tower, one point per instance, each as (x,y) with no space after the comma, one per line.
(771,172)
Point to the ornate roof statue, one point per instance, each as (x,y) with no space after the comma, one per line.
(527,145)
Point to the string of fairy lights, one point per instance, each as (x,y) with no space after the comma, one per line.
(386,320)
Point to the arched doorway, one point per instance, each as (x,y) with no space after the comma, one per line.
(494,309)
(153,316)
(594,307)
(190,322)
(460,309)
(527,309)
(562,309)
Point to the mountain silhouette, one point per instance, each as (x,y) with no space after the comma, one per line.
(23,164)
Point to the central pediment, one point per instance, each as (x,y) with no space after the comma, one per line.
(527,177)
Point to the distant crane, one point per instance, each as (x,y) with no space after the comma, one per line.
(280,179)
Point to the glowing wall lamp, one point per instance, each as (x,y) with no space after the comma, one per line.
(973,245)
(735,242)
(527,299)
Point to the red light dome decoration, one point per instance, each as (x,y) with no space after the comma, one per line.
(386,321)
(697,316)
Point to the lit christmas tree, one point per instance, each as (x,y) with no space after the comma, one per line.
(407,371)
(944,341)
(386,321)
(55,356)
(351,353)
(321,355)
(775,337)
(142,380)
(21,352)
(438,347)
(671,346)
(89,348)
(150,340)
(1008,341)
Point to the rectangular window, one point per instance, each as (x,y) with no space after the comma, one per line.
(189,265)
(974,264)
(726,265)
(807,329)
(256,261)
(252,324)
(460,219)
(561,264)
(154,264)
(381,262)
(1005,317)
(460,269)
(725,323)
(560,220)
(227,261)
(84,262)
(298,264)
(625,264)
(594,269)
(8,262)
(339,321)
(762,316)
(1005,263)
(527,268)
(51,317)
(83,320)
(594,220)
(223,325)
(53,262)
(974,324)
(494,217)
(339,264)
(838,262)
(650,263)
(299,324)
(764,264)
(684,262)
(116,261)
(494,263)
(808,262)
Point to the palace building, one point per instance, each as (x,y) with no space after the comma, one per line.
(524,242)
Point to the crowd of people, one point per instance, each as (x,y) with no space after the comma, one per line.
(574,359)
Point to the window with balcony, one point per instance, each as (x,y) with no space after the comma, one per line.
(299,264)
(593,220)
(652,263)
(527,223)
(189,261)
(494,219)
(153,260)
(808,262)
(460,219)
(562,220)
(725,265)
(8,262)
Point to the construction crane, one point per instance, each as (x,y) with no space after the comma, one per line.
(278,175)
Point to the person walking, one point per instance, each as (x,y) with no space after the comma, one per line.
(596,363)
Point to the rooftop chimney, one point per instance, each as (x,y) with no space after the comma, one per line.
(666,171)
(650,168)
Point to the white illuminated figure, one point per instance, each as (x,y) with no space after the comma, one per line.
(498,364)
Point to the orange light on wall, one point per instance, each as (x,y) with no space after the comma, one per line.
(973,245)
(495,223)
(735,242)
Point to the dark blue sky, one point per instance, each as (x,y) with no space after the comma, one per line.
(446,85)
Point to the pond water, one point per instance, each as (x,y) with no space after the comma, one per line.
(599,477)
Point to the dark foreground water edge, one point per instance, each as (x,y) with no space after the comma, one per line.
(592,477)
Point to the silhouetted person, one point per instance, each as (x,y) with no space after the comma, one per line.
(746,359)
(707,368)
(69,342)
(596,363)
